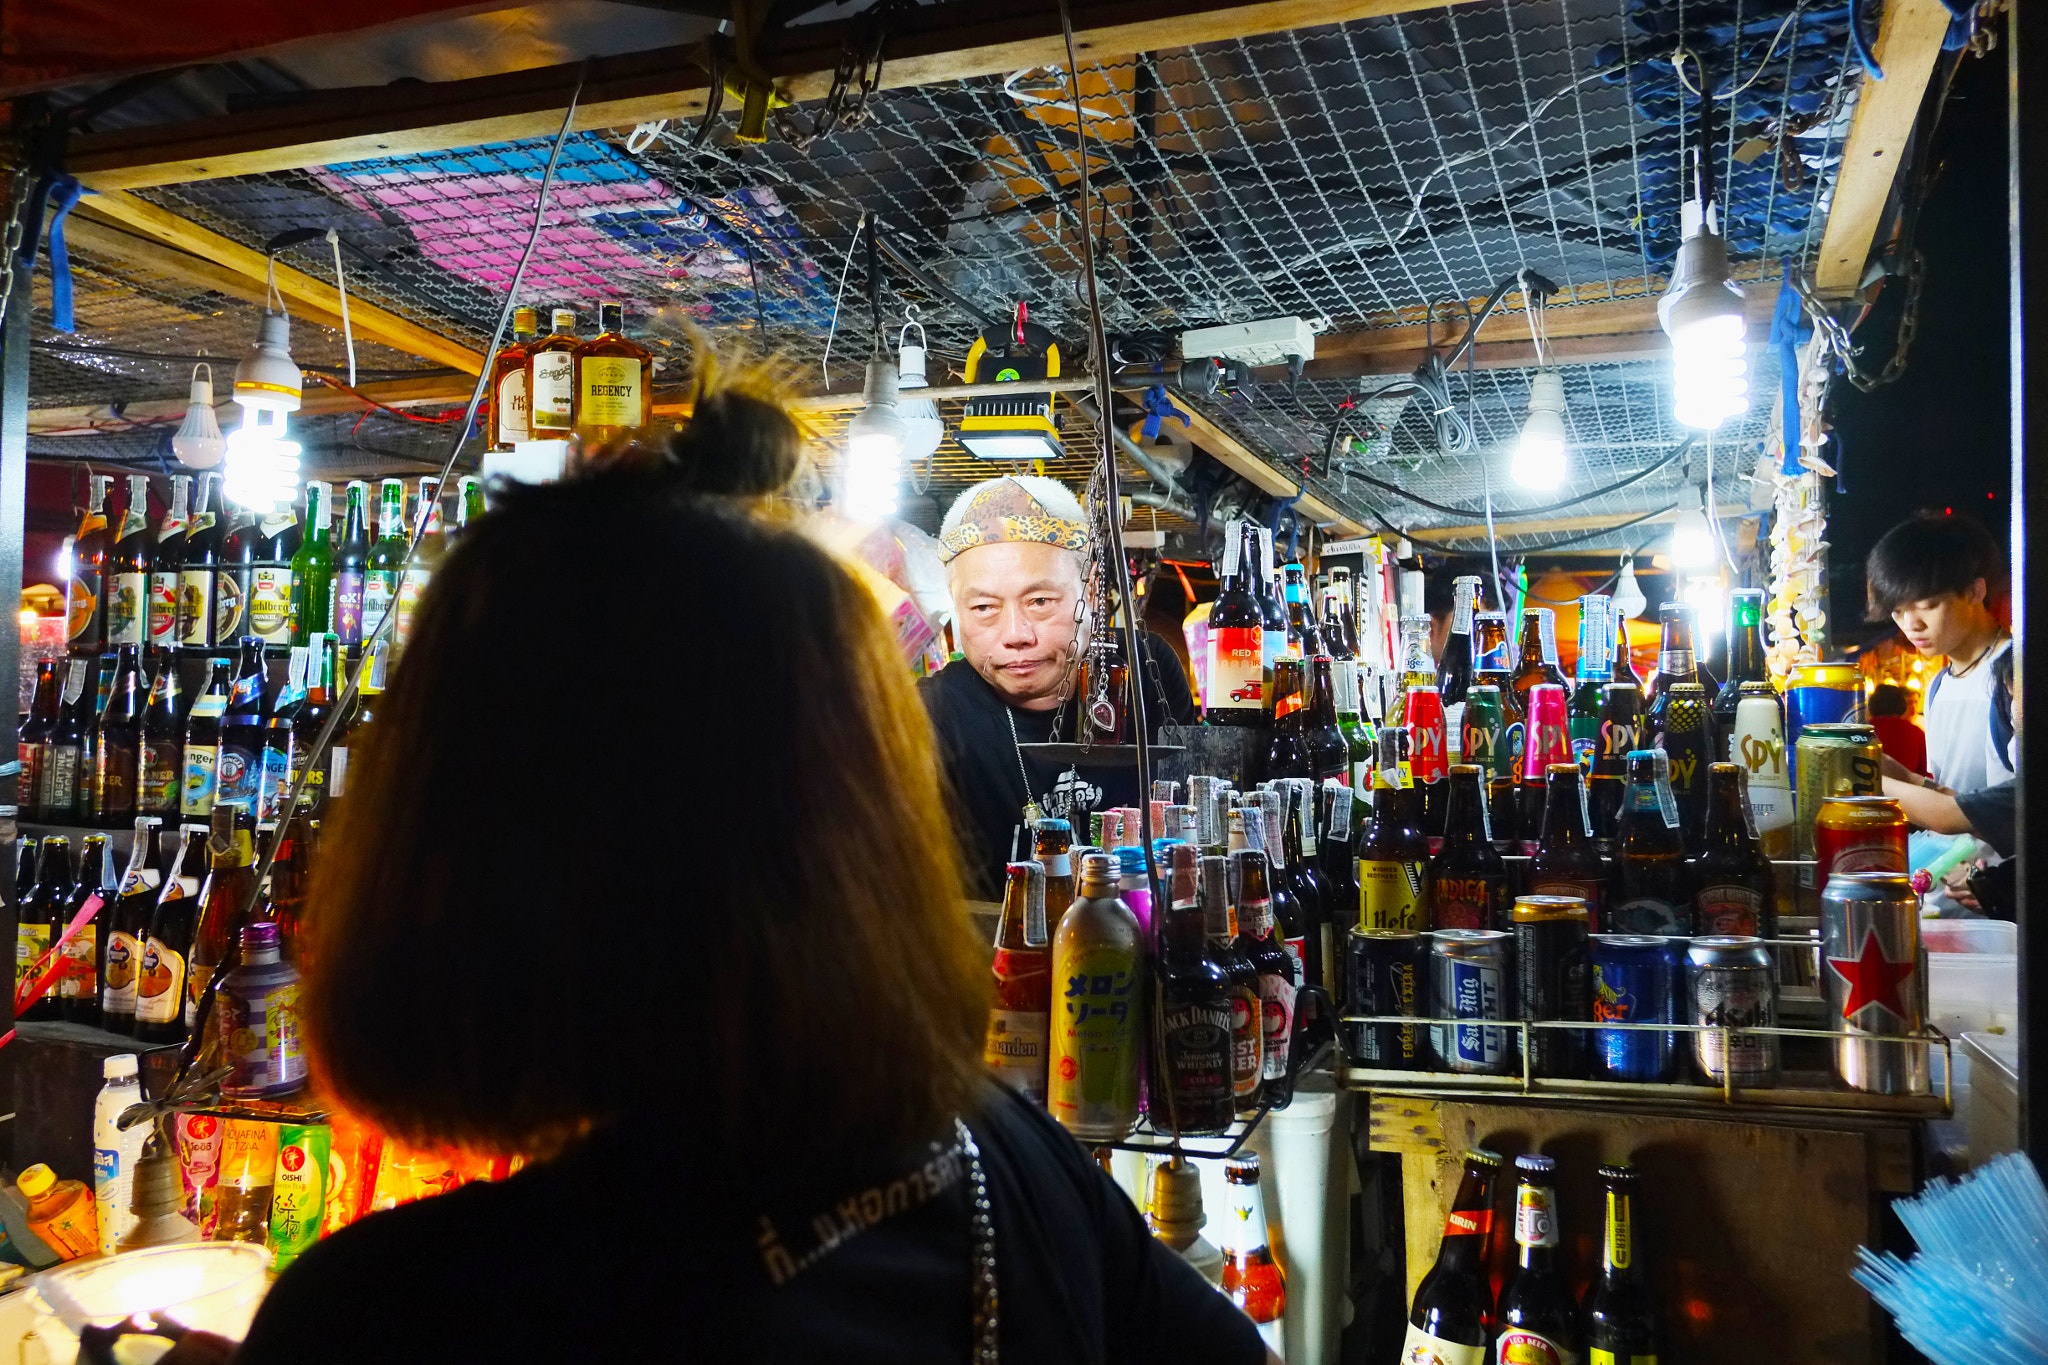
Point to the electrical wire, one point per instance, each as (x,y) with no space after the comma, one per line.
(1449,511)
(845,268)
(331,382)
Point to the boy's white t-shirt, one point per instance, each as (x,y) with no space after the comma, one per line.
(1960,752)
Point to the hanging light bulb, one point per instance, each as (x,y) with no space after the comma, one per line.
(873,468)
(1628,594)
(199,444)
(923,428)
(1539,461)
(1709,602)
(1702,312)
(1692,539)
(263,466)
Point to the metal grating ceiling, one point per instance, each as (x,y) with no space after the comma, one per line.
(1362,174)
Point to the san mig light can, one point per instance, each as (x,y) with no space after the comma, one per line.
(1386,971)
(1636,980)
(1872,967)
(1730,984)
(1471,978)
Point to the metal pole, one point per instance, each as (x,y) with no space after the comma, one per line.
(14,342)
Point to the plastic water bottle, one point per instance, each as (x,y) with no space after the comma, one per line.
(114,1152)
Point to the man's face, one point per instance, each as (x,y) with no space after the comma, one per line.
(1940,625)
(1014,602)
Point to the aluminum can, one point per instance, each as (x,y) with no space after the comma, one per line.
(1546,738)
(1758,744)
(1831,760)
(1386,971)
(1472,978)
(1822,694)
(1551,967)
(1730,984)
(1876,981)
(1858,834)
(1485,732)
(1635,981)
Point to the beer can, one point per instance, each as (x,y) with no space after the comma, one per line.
(1870,944)
(1546,740)
(1424,720)
(1550,979)
(1858,834)
(1384,973)
(1730,984)
(1822,694)
(1471,978)
(1831,760)
(1635,981)
(1758,744)
(1485,734)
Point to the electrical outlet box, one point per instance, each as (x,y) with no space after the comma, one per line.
(1270,341)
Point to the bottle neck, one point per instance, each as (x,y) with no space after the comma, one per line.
(1618,1261)
(1726,827)
(1536,1225)
(1465,820)
(1564,813)
(1468,1228)
(1322,705)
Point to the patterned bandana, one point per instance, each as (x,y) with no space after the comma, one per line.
(1004,510)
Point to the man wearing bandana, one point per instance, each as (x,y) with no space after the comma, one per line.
(1014,550)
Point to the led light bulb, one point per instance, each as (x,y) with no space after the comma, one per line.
(1628,594)
(1709,602)
(1539,461)
(923,428)
(1692,539)
(199,444)
(262,466)
(1702,312)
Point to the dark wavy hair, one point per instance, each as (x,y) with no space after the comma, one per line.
(1932,555)
(648,824)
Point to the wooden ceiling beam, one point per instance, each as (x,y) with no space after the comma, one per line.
(938,44)
(1909,41)
(433,391)
(85,231)
(1240,459)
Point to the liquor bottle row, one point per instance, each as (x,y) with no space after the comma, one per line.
(206,576)
(548,388)
(141,964)
(1455,1318)
(103,744)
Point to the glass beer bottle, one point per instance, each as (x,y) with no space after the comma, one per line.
(1252,1278)
(1539,1322)
(1734,887)
(1451,1320)
(1015,1049)
(1623,1326)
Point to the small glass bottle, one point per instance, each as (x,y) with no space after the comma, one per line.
(509,407)
(614,381)
(1252,1278)
(551,379)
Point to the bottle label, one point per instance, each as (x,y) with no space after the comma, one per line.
(511,401)
(1462,903)
(1674,661)
(31,941)
(200,762)
(1469,1223)
(409,593)
(1454,730)
(1420,1348)
(60,778)
(379,591)
(1518,1346)
(163,610)
(1276,1017)
(1247,1037)
(160,987)
(238,773)
(1340,813)
(1198,1048)
(1620,1238)
(270,603)
(1390,894)
(1236,656)
(1015,1050)
(1535,1217)
(124,956)
(128,609)
(347,620)
(610,391)
(229,602)
(1600,1356)
(1729,910)
(554,392)
(79,978)
(275,783)
(82,607)
(195,608)
(1098,1028)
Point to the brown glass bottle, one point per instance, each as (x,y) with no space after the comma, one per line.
(1452,1316)
(160,986)
(1329,752)
(1623,1325)
(129,560)
(117,752)
(1533,667)
(1468,881)
(1685,732)
(1052,842)
(1192,1091)
(1287,753)
(43,709)
(33,919)
(217,932)
(1235,689)
(1393,858)
(1651,895)
(86,625)
(1279,974)
(1566,863)
(1538,1318)
(510,412)
(1734,887)
(1247,1029)
(551,380)
(1677,660)
(1624,655)
(614,381)
(1621,716)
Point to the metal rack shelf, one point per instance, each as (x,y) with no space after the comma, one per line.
(1146,1138)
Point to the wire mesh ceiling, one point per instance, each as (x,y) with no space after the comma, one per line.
(1359,175)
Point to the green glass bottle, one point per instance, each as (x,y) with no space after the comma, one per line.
(313,567)
(387,554)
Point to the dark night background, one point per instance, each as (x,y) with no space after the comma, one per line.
(1941,435)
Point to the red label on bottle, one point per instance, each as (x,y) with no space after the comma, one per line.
(1236,668)
(1462,902)
(1468,1223)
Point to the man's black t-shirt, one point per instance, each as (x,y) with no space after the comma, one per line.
(624,1250)
(987,772)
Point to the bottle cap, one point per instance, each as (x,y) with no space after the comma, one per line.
(1131,860)
(119,1067)
(1534,1163)
(1052,824)
(1617,1174)
(1099,865)
(35,1181)
(260,937)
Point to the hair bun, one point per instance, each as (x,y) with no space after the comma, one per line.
(736,444)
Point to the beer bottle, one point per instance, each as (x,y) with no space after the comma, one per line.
(1491,669)
(1745,664)
(1278,975)
(127,571)
(1309,935)
(1418,669)
(1758,744)
(1623,1326)
(202,744)
(128,925)
(1343,812)
(196,569)
(551,379)
(1534,666)
(1015,1047)
(1686,734)
(86,598)
(239,777)
(35,733)
(234,574)
(1329,751)
(1565,862)
(1393,859)
(614,381)
(1538,1320)
(1676,660)
(285,894)
(1052,845)
(117,747)
(1583,710)
(281,739)
(161,625)
(1545,741)
(1337,638)
(1357,734)
(1272,612)
(1454,669)
(1287,752)
(1281,845)
(1652,896)
(166,951)
(426,562)
(1451,1320)
(217,931)
(321,688)
(387,554)
(99,685)
(78,985)
(1423,718)
(354,732)
(1235,690)
(1247,1018)
(1251,1276)
(351,566)
(32,923)
(1485,747)
(275,544)
(1469,887)
(1099,1016)
(1621,708)
(1192,1066)
(1734,886)
(160,766)
(1301,620)
(469,505)
(508,383)
(24,874)
(65,776)
(1624,663)
(312,572)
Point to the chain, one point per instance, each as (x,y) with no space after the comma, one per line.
(1844,347)
(854,80)
(17,204)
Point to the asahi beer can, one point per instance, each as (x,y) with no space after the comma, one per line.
(1876,987)
(1551,966)
(1424,720)
(1546,738)
(1635,981)
(1758,744)
(1858,834)
(1471,978)
(1730,985)
(1485,732)
(1831,760)
(1386,971)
